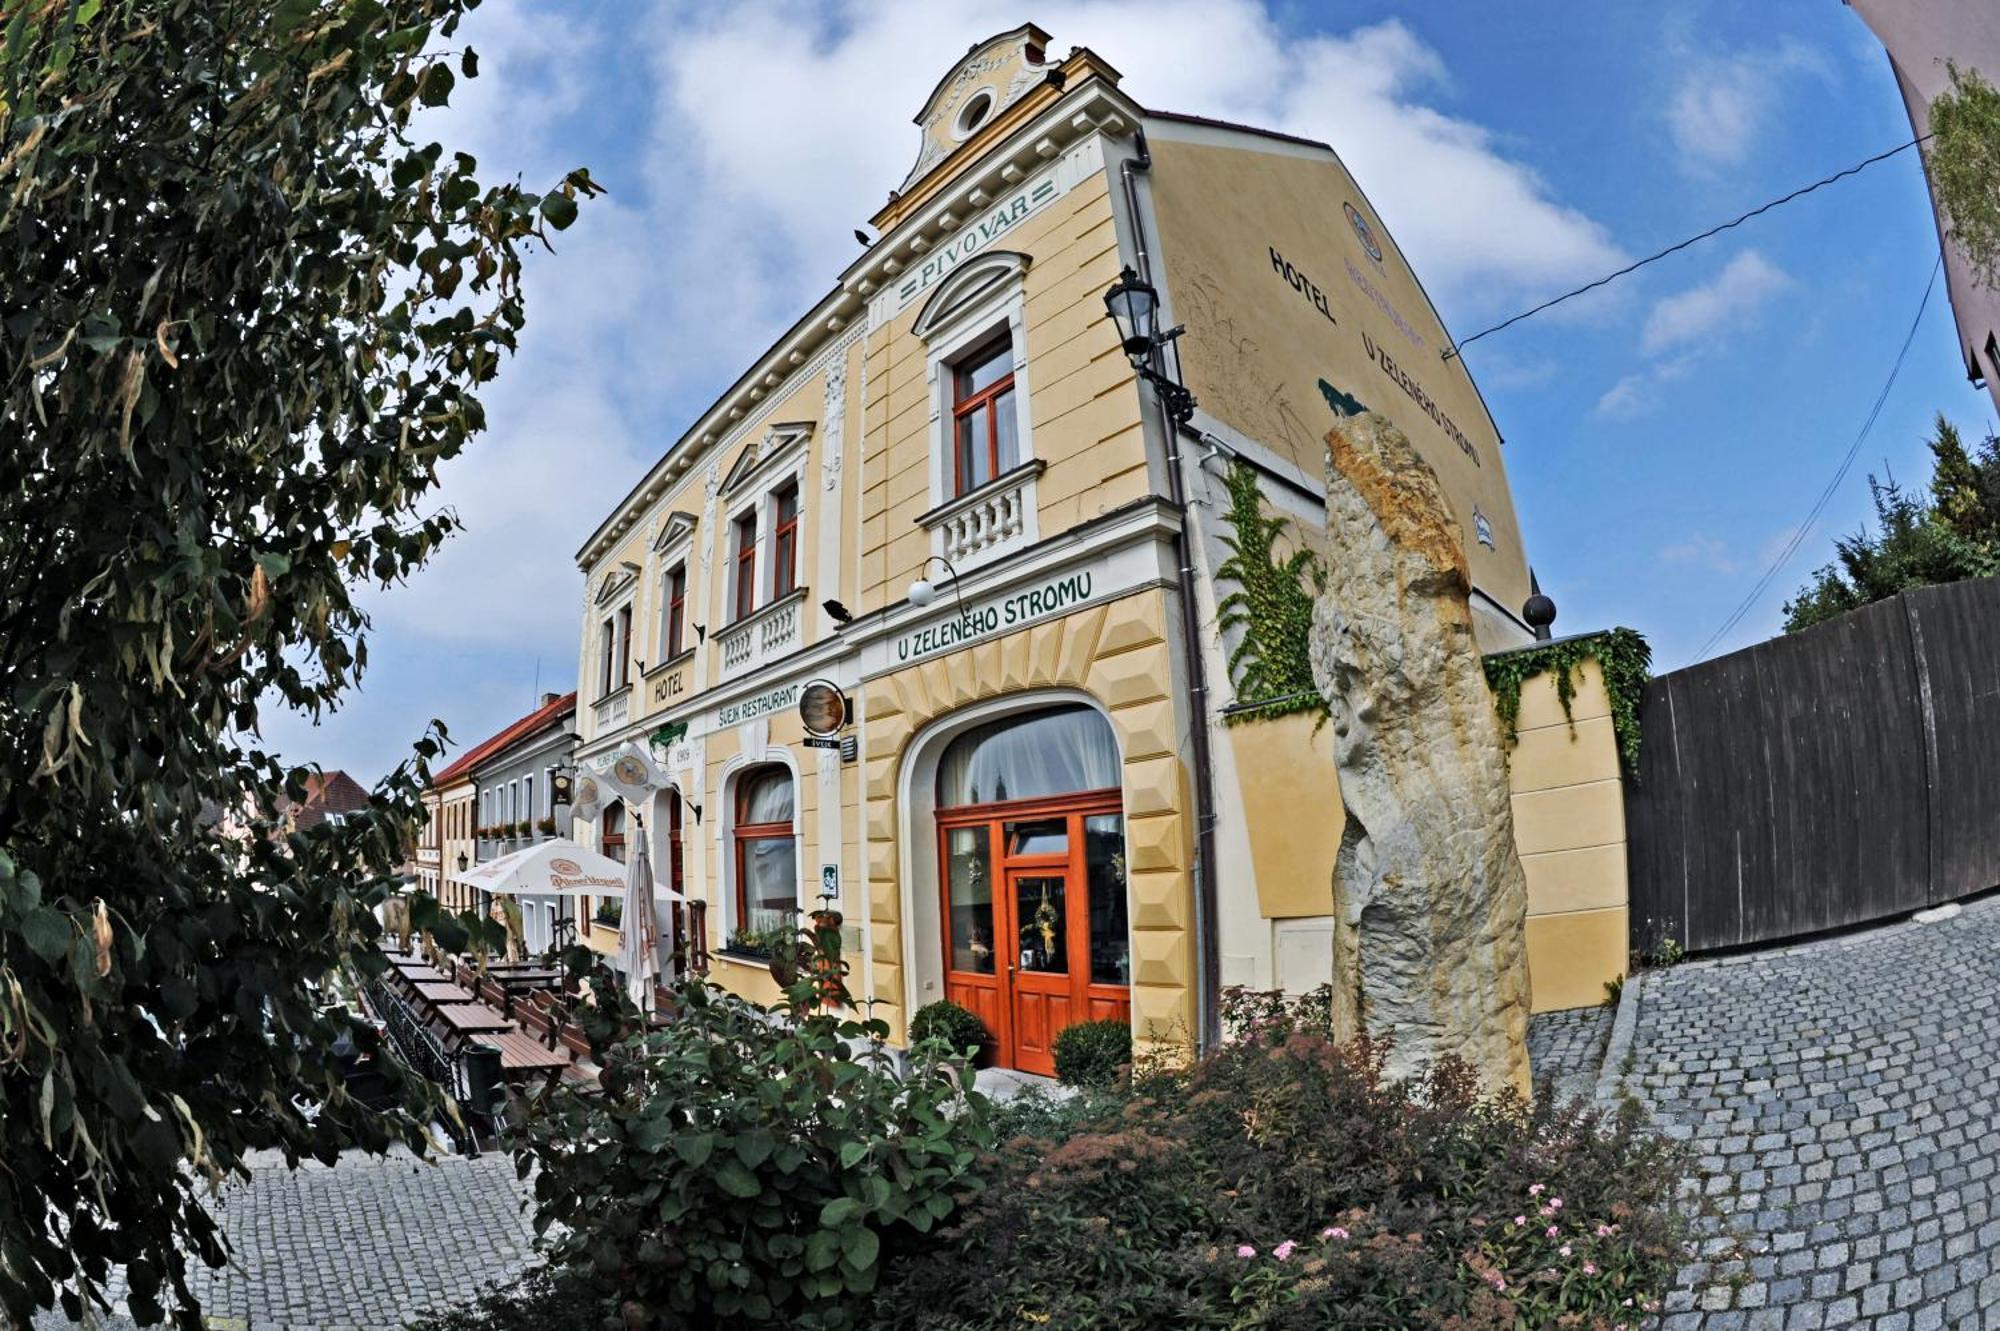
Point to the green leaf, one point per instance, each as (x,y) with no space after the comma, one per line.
(737,1181)
(852,1154)
(559,210)
(434,88)
(859,1246)
(46,932)
(694,1148)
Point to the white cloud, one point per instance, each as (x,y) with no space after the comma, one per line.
(1722,104)
(1730,300)
(1702,551)
(1629,397)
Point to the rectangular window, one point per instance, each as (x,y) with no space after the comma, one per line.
(745,586)
(785,541)
(528,796)
(984,432)
(676,629)
(607,652)
(624,644)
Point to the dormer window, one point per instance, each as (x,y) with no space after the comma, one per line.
(985,431)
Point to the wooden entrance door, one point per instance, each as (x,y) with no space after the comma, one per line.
(1035,932)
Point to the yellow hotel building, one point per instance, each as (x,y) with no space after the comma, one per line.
(946,491)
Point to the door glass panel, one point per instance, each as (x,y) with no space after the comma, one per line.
(1042,908)
(1104,862)
(1042,836)
(968,857)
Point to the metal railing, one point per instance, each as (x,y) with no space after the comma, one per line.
(480,1106)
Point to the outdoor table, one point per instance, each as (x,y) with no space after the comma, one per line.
(416,968)
(445,992)
(524,1053)
(473,1019)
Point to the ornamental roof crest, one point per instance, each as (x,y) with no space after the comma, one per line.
(994,75)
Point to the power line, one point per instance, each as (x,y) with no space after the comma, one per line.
(1758,211)
(1839,475)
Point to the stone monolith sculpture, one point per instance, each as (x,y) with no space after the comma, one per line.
(1429,898)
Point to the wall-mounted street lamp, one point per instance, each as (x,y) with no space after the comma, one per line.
(463,862)
(923,591)
(1134,306)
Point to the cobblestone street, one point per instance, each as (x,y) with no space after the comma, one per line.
(1841,1097)
(1568,1048)
(359,1246)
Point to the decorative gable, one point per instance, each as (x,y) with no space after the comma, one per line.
(616,582)
(677,528)
(994,75)
(779,442)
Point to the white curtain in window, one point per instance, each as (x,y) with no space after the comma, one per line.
(767,797)
(1056,752)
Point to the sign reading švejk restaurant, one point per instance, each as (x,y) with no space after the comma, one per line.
(749,709)
(976,235)
(1062,592)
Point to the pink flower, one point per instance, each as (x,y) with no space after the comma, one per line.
(1245,1250)
(1550,1232)
(1589,1268)
(1535,1189)
(1564,1250)
(1495,1279)
(1520,1220)
(1333,1232)
(1605,1231)
(1283,1252)
(1555,1203)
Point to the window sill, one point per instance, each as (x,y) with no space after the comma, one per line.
(764,611)
(757,959)
(614,694)
(1011,479)
(685,655)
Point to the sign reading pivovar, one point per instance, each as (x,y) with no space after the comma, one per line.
(988,617)
(749,709)
(976,236)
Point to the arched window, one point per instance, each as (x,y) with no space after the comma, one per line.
(1057,752)
(611,840)
(767,872)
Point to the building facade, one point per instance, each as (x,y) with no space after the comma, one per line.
(514,773)
(946,492)
(1920,39)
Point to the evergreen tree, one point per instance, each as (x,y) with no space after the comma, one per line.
(1948,533)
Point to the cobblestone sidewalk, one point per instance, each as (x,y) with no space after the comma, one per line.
(1568,1048)
(1842,1097)
(360,1246)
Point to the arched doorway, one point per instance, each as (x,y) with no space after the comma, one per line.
(1031,847)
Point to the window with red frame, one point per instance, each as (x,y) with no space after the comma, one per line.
(984,431)
(677,591)
(745,589)
(785,541)
(767,876)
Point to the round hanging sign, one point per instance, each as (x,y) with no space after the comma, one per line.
(823,708)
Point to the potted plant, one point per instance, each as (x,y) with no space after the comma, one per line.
(610,912)
(547,826)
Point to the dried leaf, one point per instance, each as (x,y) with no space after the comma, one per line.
(100,928)
(160,339)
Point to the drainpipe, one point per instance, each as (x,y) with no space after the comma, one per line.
(1207,960)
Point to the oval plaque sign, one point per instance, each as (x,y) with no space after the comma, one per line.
(823,708)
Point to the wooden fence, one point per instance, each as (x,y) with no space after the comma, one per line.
(1826,778)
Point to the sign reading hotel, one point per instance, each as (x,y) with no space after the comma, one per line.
(975,236)
(1058,594)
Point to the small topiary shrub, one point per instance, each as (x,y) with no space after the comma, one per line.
(959,1027)
(1091,1053)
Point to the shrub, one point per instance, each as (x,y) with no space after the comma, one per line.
(959,1027)
(1285,1183)
(1265,1013)
(748,1166)
(1091,1053)
(545,1299)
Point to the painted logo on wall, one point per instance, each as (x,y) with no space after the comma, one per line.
(1363,231)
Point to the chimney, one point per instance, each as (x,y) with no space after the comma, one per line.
(548,698)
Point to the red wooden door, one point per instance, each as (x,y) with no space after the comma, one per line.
(1042,988)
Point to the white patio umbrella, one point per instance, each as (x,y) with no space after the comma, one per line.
(557,868)
(640,932)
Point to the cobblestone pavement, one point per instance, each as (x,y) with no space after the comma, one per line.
(362,1245)
(1841,1096)
(1569,1047)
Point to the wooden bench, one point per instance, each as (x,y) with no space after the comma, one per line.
(524,1054)
(445,992)
(471,1019)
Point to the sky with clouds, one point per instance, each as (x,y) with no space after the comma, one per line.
(1665,435)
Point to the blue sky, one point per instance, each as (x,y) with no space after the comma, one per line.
(1664,437)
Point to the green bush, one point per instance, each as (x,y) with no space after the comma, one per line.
(1091,1053)
(959,1027)
(1284,1183)
(545,1299)
(748,1166)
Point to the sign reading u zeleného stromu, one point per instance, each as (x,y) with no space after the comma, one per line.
(982,619)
